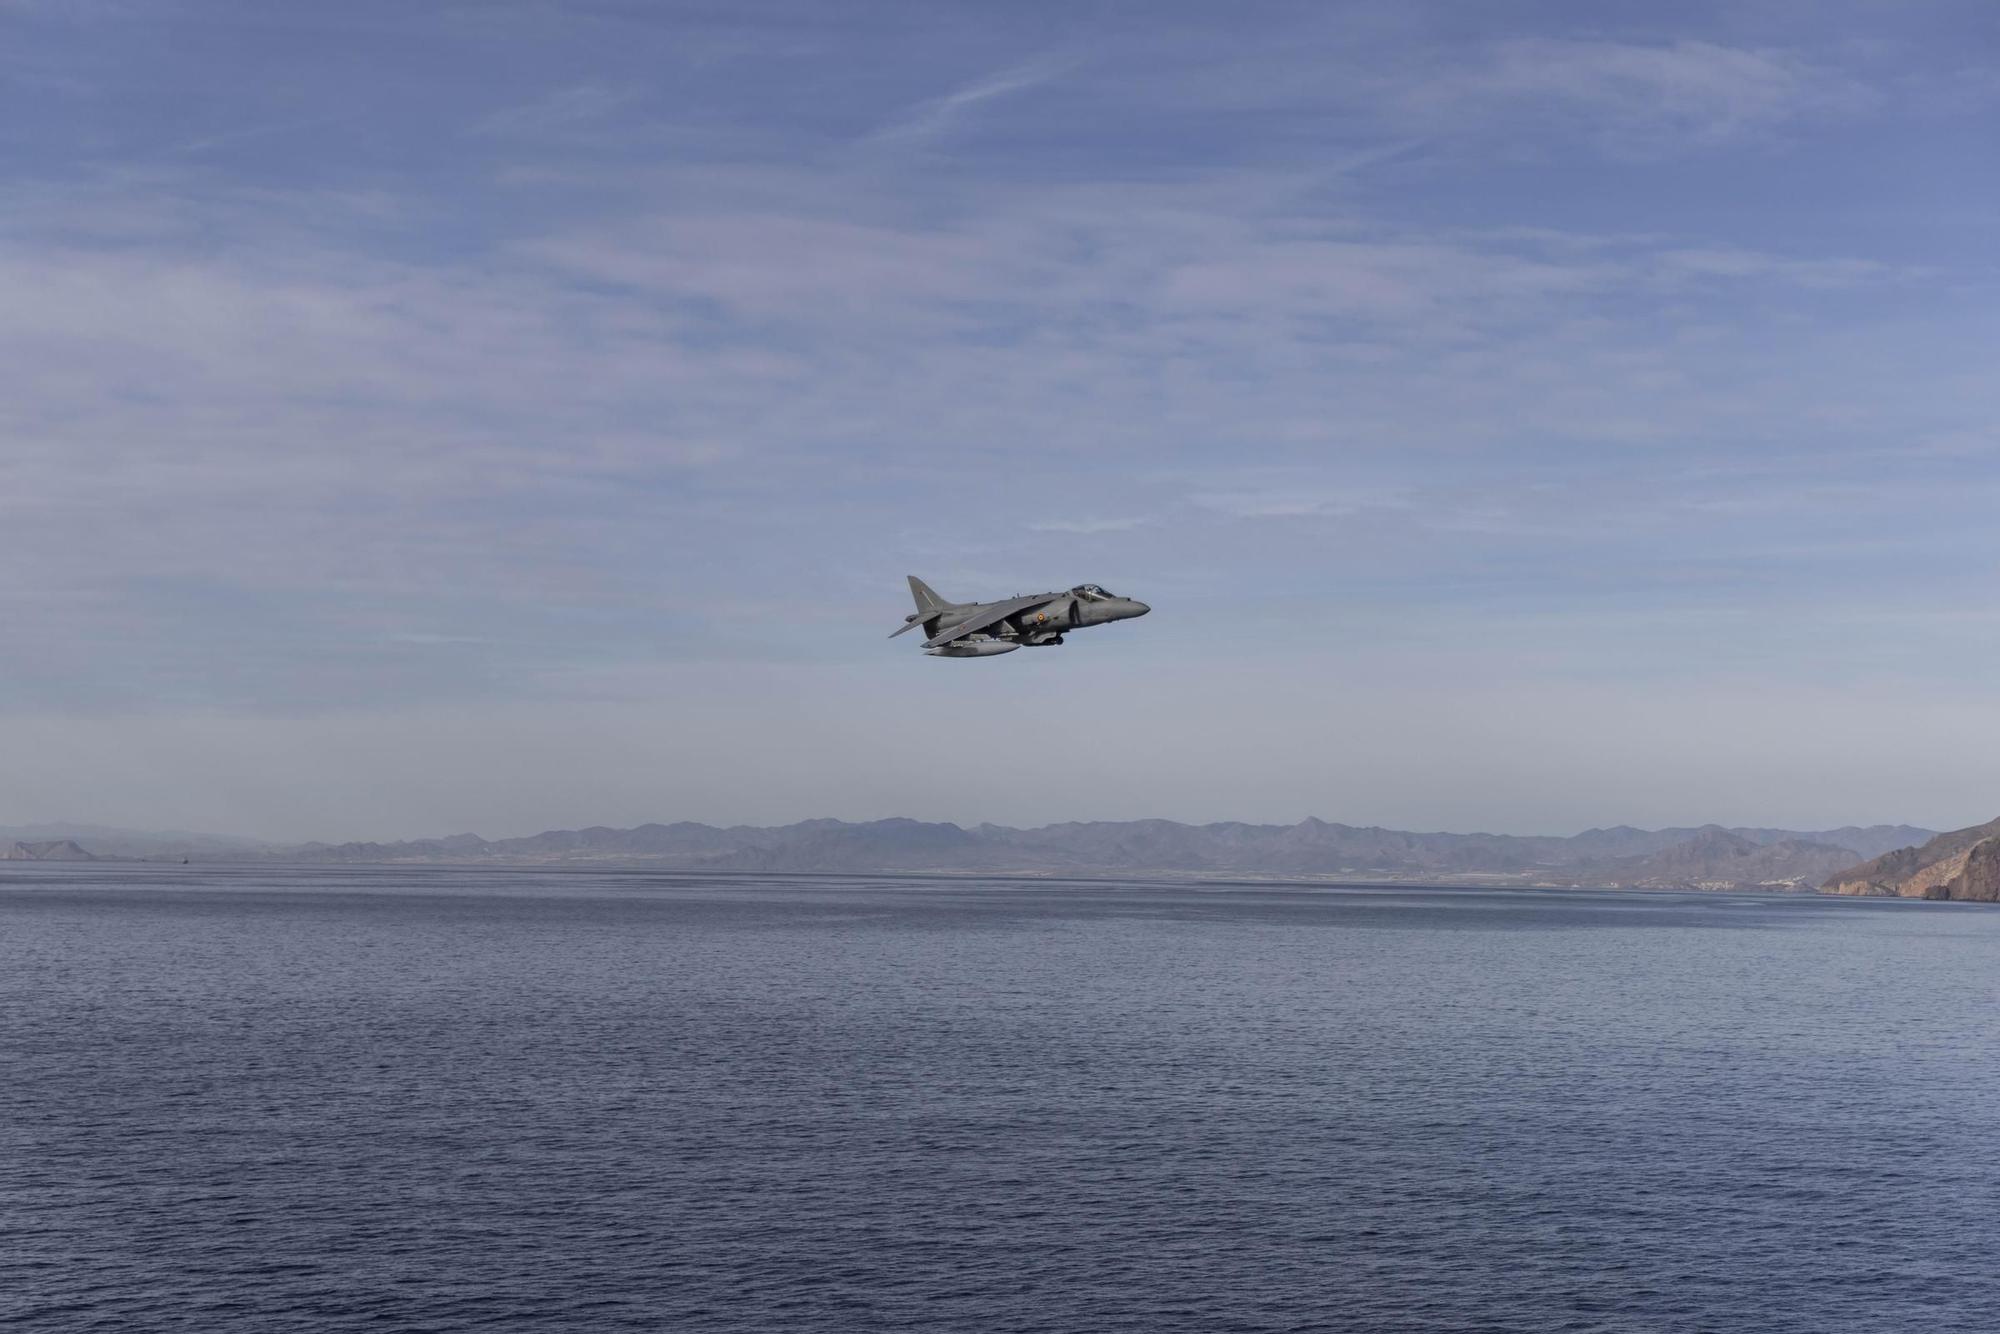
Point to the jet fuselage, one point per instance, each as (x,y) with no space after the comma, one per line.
(1034,620)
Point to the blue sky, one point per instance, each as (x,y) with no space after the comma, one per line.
(1521,416)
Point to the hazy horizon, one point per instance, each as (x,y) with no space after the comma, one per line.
(57,827)
(419,421)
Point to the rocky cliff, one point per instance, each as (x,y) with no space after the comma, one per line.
(1962,865)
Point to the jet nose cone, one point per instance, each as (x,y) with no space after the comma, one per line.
(1138,608)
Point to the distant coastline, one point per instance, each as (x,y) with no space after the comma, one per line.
(1706,857)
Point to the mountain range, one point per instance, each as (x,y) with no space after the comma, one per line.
(1710,855)
(1873,859)
(105,841)
(46,850)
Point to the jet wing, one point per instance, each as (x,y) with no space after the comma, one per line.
(990,614)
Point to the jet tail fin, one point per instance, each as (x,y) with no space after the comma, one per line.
(928,602)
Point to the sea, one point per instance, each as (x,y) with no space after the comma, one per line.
(400,1098)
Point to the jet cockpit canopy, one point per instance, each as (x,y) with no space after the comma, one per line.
(1091,592)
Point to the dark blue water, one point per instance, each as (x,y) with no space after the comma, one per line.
(428,1100)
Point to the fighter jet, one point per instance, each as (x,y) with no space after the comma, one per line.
(1038,620)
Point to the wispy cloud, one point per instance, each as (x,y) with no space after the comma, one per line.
(1085,526)
(932,120)
(272,129)
(581,412)
(1633,98)
(560,111)
(1305,498)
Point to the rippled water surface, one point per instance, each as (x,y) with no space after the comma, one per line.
(416,1099)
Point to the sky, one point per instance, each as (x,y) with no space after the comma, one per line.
(418,418)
